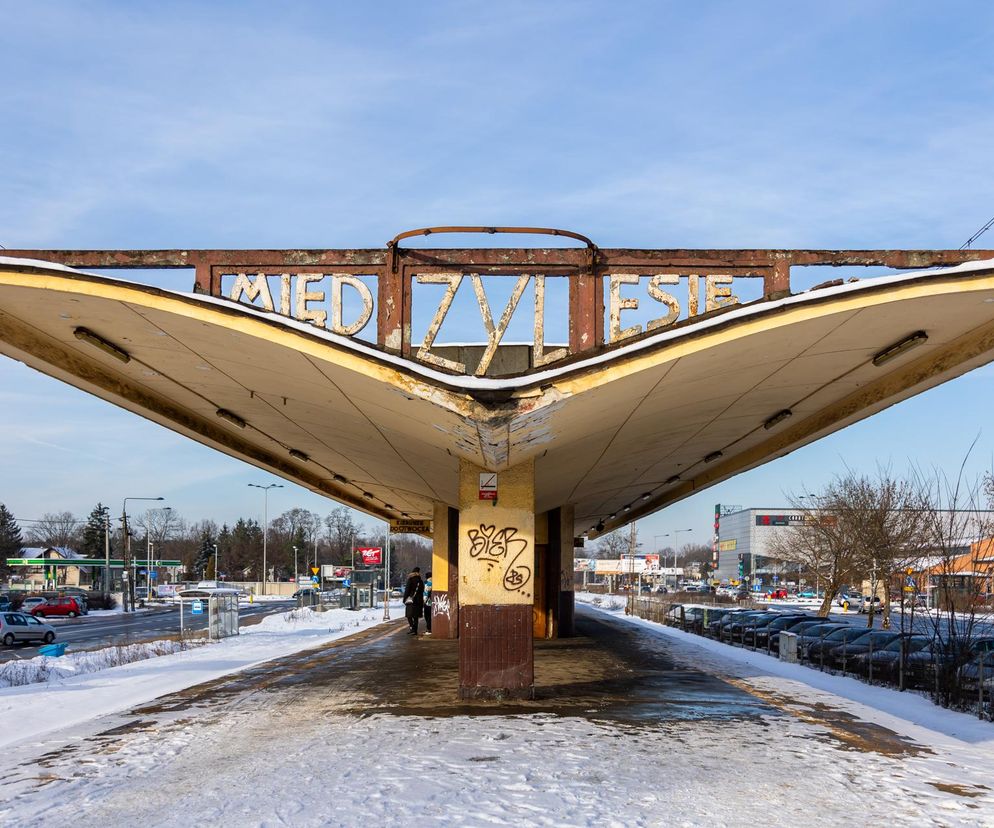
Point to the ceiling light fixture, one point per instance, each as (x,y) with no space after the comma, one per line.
(90,338)
(626,508)
(338,478)
(368,495)
(778,418)
(714,455)
(234,419)
(898,348)
(671,480)
(646,495)
(299,455)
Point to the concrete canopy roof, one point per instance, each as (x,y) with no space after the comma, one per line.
(629,427)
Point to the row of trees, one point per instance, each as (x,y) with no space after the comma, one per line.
(319,540)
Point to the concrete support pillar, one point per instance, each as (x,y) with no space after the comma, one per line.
(496,584)
(562,537)
(445,572)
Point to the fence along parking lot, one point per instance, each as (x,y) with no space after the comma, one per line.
(955,671)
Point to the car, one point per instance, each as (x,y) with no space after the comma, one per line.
(68,606)
(920,665)
(28,604)
(817,650)
(870,640)
(777,623)
(736,624)
(19,627)
(848,600)
(886,662)
(4,603)
(797,628)
(868,601)
(752,629)
(816,633)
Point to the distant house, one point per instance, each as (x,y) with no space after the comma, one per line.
(67,567)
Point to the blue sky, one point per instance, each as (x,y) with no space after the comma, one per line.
(338,125)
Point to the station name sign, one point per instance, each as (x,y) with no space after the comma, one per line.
(317,298)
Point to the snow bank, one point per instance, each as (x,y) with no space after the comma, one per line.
(48,668)
(26,711)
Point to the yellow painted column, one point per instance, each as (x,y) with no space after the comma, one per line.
(445,572)
(496,582)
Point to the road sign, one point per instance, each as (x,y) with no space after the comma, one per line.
(401,525)
(347,583)
(314,578)
(314,570)
(197,608)
(488,485)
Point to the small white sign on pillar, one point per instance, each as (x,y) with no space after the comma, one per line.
(488,485)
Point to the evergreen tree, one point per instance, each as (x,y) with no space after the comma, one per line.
(11,541)
(93,533)
(205,555)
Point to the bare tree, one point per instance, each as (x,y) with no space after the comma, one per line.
(59,529)
(342,530)
(957,520)
(613,544)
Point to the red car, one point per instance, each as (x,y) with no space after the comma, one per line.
(58,606)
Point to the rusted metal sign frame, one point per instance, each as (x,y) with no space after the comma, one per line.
(396,268)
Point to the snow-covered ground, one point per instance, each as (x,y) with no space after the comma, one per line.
(301,755)
(32,710)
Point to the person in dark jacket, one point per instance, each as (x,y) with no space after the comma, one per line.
(428,602)
(414,599)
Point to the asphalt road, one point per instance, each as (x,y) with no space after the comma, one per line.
(93,631)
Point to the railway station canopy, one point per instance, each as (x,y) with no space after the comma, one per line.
(676,369)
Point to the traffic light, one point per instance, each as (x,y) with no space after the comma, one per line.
(741,566)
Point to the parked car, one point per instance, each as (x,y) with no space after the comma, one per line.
(920,665)
(798,627)
(714,628)
(736,626)
(869,640)
(867,601)
(28,604)
(777,623)
(817,649)
(67,606)
(4,603)
(852,600)
(886,661)
(816,632)
(19,627)
(751,626)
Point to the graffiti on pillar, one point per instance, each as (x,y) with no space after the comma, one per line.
(499,548)
(440,603)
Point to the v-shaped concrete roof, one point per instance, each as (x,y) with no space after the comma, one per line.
(629,427)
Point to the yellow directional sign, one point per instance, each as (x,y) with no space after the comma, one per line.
(314,570)
(401,525)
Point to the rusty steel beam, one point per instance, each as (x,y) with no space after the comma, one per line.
(607,257)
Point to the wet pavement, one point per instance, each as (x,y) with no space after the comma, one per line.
(610,672)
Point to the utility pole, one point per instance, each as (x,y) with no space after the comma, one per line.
(265,528)
(386,579)
(106,550)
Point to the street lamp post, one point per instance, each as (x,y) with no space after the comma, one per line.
(295,575)
(676,538)
(265,527)
(129,592)
(217,563)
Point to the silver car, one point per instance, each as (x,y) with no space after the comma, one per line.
(17,627)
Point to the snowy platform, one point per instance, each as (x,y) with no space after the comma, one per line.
(632,725)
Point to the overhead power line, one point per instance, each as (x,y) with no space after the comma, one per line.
(969,242)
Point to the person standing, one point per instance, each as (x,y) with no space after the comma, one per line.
(428,602)
(414,599)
